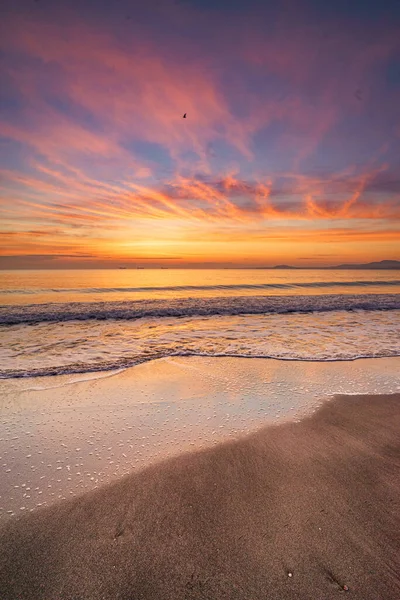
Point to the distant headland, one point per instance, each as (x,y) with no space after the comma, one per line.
(382,264)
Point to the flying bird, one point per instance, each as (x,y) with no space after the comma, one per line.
(184,116)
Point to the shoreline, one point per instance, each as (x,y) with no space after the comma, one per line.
(62,436)
(115,370)
(291,511)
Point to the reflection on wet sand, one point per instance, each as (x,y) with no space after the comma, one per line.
(61,436)
(291,512)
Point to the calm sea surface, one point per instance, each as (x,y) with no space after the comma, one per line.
(77,321)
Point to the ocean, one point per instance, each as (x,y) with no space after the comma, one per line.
(77,321)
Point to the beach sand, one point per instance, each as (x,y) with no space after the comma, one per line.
(306,510)
(64,435)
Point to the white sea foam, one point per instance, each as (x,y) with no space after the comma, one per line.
(76,346)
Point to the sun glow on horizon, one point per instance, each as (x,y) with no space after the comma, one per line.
(288,153)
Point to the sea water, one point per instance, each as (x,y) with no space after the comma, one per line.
(54,322)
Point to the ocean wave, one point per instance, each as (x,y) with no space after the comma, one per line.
(122,364)
(189,307)
(204,288)
(88,345)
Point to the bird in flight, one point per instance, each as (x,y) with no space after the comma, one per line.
(184,116)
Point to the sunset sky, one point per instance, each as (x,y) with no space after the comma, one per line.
(290,152)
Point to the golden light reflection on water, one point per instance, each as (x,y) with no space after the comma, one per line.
(26,287)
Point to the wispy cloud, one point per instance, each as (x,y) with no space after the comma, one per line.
(286,131)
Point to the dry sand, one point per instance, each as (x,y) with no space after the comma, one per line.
(305,510)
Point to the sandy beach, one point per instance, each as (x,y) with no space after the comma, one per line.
(61,436)
(200,300)
(296,510)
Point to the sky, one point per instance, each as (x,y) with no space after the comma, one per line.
(290,152)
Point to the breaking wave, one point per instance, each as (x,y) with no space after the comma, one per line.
(190,307)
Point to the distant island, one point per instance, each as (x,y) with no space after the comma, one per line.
(382,264)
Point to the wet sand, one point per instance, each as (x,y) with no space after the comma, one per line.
(294,511)
(61,436)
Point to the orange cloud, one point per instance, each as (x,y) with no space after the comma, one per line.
(106,160)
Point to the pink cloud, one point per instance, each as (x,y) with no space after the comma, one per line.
(89,98)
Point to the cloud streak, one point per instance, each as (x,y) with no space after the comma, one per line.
(285,130)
